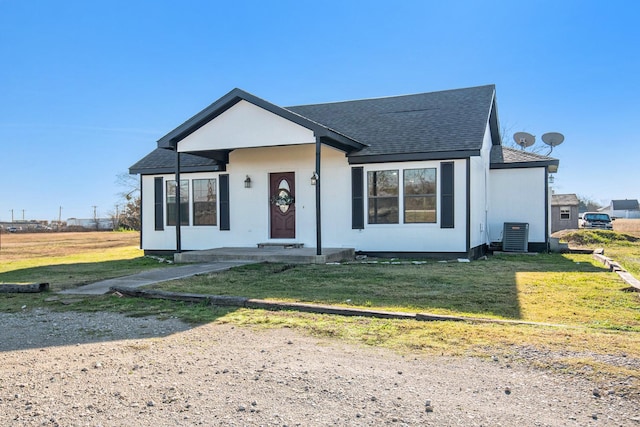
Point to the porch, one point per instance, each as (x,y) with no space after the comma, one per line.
(281,253)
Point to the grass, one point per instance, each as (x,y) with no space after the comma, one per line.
(66,260)
(572,290)
(622,247)
(536,289)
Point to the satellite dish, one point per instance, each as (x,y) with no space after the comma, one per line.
(553,139)
(524,139)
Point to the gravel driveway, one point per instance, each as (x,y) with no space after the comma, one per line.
(105,369)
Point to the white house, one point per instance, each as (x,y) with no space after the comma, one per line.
(421,174)
(627,208)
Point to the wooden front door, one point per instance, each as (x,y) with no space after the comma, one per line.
(282,205)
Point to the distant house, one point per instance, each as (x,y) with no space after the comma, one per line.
(564,212)
(411,174)
(627,208)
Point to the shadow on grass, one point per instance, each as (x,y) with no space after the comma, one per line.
(66,276)
(481,288)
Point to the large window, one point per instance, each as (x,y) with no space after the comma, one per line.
(204,202)
(419,195)
(184,202)
(383,197)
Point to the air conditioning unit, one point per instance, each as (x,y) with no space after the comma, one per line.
(515,237)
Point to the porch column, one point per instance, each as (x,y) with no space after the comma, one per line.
(318,216)
(178,216)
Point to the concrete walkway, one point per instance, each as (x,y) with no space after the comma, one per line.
(150,277)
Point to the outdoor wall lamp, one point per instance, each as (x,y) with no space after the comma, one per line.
(314,178)
(247,182)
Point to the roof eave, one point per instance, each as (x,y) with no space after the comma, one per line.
(533,164)
(411,157)
(167,170)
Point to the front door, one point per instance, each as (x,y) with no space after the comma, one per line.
(283,207)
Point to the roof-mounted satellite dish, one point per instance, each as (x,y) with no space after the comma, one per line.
(524,139)
(552,139)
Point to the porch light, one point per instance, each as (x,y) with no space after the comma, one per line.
(314,178)
(247,182)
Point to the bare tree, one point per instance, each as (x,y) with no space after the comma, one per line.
(588,205)
(129,216)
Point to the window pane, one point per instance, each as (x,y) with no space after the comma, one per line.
(184,202)
(383,210)
(383,183)
(420,195)
(383,189)
(204,202)
(419,209)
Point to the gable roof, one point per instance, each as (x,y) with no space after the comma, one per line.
(564,200)
(435,125)
(625,205)
(509,158)
(447,124)
(328,135)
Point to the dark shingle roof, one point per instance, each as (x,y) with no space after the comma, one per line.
(437,125)
(625,205)
(161,160)
(505,157)
(452,120)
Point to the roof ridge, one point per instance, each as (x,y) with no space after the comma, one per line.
(347,101)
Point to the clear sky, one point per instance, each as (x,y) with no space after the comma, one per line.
(88,87)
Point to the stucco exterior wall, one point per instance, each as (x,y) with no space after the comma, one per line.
(416,237)
(517,195)
(231,130)
(249,207)
(479,187)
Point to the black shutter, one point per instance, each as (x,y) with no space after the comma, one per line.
(357,198)
(225,223)
(158,203)
(446,195)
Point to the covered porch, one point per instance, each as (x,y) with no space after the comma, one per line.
(270,253)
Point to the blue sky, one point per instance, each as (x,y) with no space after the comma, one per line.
(88,87)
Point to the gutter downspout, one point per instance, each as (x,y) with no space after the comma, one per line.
(318,216)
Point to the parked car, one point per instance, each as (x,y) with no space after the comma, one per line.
(597,220)
(12,229)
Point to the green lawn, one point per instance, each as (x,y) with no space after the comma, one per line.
(564,289)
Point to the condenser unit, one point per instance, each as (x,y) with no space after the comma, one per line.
(515,237)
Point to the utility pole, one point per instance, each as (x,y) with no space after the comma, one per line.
(60,218)
(11,216)
(95,217)
(22,215)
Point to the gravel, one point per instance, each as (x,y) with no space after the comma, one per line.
(106,369)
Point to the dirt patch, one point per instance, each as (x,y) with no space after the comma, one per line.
(110,370)
(629,226)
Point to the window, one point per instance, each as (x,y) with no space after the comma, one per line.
(204,202)
(565,212)
(419,195)
(184,202)
(383,197)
